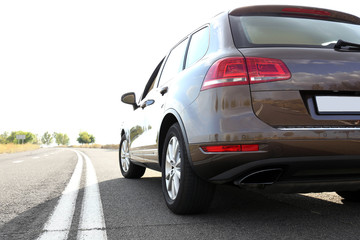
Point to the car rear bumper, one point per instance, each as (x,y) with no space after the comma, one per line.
(295,163)
(308,155)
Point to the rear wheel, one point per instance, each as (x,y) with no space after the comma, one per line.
(353,196)
(128,169)
(183,190)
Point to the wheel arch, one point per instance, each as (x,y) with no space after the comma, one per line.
(171,117)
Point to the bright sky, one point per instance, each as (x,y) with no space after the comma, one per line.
(65,64)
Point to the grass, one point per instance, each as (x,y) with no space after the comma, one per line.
(13,148)
(107,146)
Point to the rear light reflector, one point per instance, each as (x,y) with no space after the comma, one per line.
(231,148)
(242,71)
(250,148)
(222,148)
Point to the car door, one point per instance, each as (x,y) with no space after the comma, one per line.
(152,103)
(139,140)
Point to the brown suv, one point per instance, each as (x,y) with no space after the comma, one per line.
(264,96)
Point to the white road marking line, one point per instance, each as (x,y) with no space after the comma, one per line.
(35,157)
(59,223)
(18,161)
(92,223)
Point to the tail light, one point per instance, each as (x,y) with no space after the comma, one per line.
(242,71)
(226,72)
(266,70)
(231,148)
(307,11)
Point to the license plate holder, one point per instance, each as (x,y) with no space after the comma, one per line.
(338,105)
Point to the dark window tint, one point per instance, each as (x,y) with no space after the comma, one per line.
(263,30)
(174,63)
(153,78)
(199,44)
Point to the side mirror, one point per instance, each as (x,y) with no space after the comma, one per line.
(129,98)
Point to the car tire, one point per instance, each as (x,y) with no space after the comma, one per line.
(184,191)
(127,168)
(353,196)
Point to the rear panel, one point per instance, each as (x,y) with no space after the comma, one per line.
(324,88)
(315,72)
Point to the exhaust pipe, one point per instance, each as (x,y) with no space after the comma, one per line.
(262,177)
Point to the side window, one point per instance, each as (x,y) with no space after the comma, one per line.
(199,44)
(153,78)
(174,63)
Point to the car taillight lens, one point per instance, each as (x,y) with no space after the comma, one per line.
(266,70)
(226,72)
(241,71)
(231,148)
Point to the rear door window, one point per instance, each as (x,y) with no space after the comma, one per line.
(199,44)
(174,63)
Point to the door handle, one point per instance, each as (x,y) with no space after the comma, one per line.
(164,90)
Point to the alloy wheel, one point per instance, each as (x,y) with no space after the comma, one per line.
(125,162)
(173,168)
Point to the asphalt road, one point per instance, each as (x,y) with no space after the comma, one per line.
(39,201)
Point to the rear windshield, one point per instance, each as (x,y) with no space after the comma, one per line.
(252,31)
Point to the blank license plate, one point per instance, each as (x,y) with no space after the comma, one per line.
(338,105)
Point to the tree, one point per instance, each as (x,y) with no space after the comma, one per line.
(47,138)
(58,138)
(36,139)
(3,137)
(92,139)
(61,139)
(85,137)
(29,137)
(66,140)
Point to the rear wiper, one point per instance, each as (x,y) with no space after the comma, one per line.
(351,46)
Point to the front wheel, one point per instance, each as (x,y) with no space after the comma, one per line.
(128,169)
(184,191)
